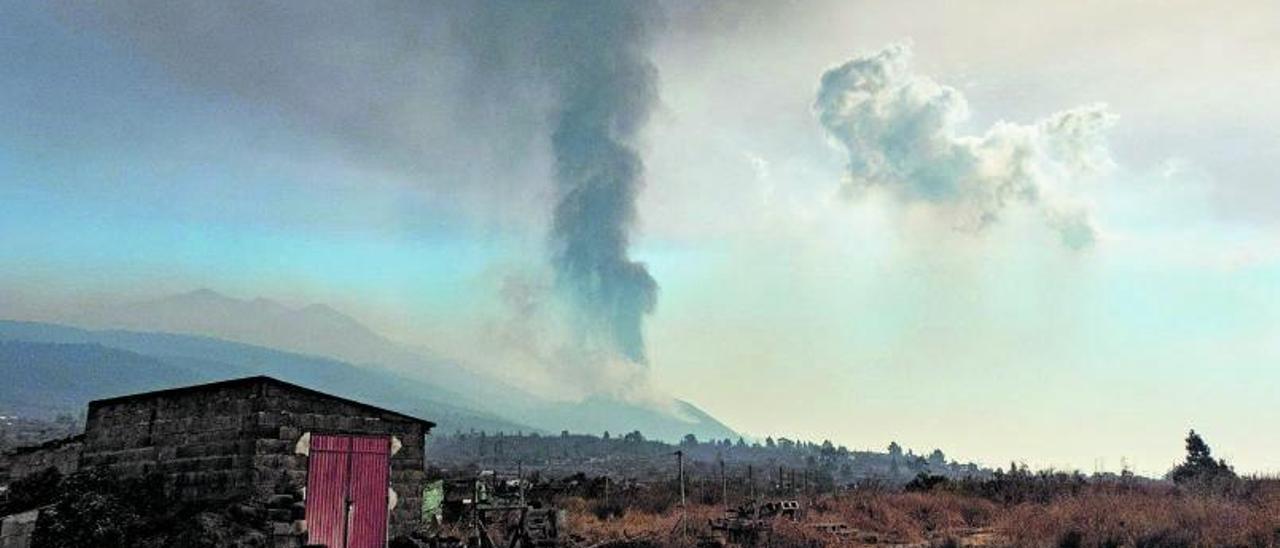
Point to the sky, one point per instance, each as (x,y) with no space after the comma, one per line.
(1042,232)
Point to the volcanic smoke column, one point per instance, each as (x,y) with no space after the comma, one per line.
(605,87)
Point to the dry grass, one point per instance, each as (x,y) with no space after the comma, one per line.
(887,517)
(1098,516)
(906,517)
(1150,518)
(635,525)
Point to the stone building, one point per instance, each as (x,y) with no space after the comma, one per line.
(262,439)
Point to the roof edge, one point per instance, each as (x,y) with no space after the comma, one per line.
(252,380)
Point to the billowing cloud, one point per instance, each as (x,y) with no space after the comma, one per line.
(901,132)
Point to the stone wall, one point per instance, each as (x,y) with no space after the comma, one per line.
(294,413)
(62,455)
(203,441)
(17,530)
(240,441)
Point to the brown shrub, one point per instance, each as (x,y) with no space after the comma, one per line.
(1100,514)
(1150,518)
(912,517)
(636,526)
(789,534)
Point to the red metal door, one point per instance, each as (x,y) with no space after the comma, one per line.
(347,483)
(327,490)
(370,468)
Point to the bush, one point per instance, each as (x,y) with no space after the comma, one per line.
(611,509)
(908,517)
(786,534)
(925,482)
(96,509)
(1150,517)
(32,491)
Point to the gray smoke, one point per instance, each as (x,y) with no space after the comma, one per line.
(606,88)
(388,87)
(591,61)
(431,90)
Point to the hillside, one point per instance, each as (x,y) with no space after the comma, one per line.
(315,329)
(321,330)
(596,415)
(457,405)
(44,379)
(57,368)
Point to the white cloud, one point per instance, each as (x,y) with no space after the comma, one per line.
(902,134)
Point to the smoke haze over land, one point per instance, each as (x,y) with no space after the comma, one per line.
(943,243)
(574,78)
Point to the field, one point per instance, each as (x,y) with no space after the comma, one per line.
(1147,514)
(864,498)
(649,494)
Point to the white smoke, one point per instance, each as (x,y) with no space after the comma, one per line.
(900,130)
(536,341)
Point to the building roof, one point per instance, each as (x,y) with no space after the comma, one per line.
(250,381)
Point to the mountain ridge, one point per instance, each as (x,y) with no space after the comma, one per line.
(454,408)
(316,329)
(212,359)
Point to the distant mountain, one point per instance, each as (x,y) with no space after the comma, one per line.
(315,329)
(198,325)
(45,379)
(312,329)
(66,367)
(597,415)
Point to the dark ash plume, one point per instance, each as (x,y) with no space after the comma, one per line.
(605,88)
(449,95)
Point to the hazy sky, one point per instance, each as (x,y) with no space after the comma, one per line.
(1012,230)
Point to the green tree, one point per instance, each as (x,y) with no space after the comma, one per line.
(828,448)
(1200,466)
(895,450)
